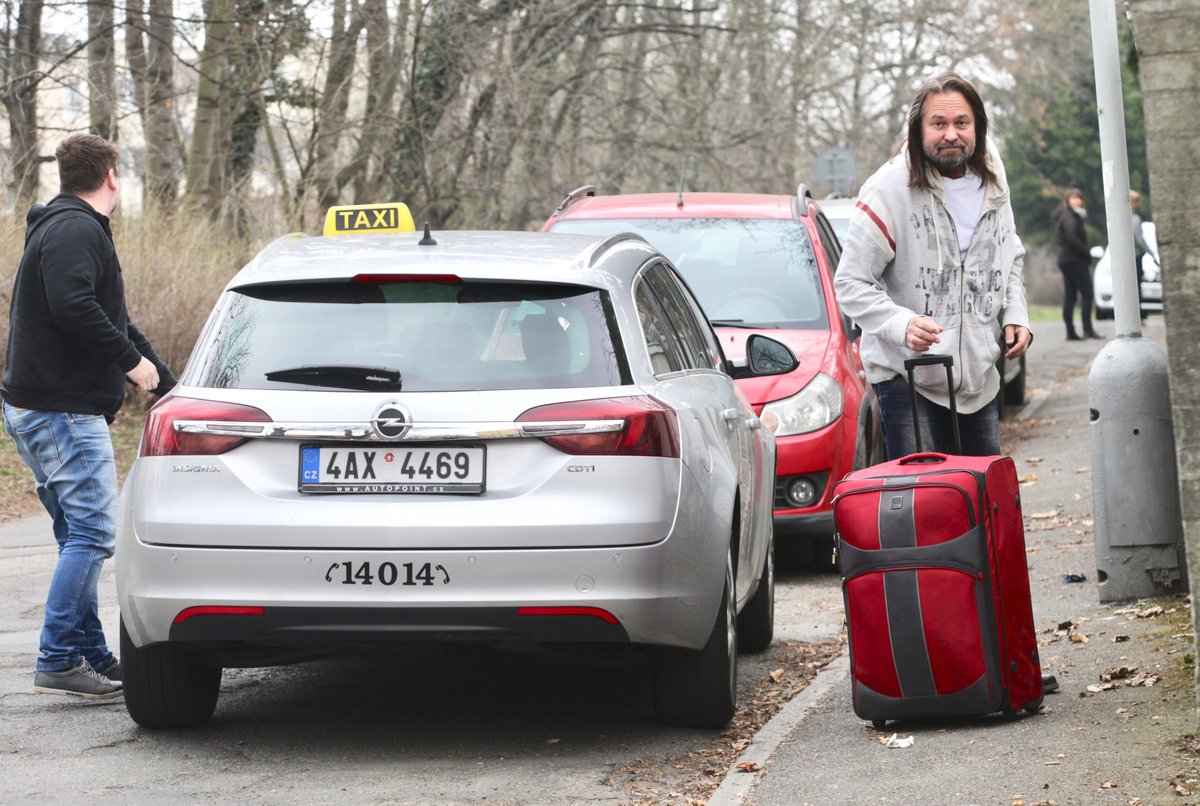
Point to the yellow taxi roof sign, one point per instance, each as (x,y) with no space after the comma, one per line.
(363,218)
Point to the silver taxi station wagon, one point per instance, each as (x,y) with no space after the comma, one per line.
(382,437)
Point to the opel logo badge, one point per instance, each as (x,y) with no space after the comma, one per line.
(391,421)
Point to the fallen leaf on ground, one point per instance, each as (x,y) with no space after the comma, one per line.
(1145,679)
(1118,673)
(1106,784)
(1150,612)
(748,766)
(1053,513)
(1030,478)
(777,675)
(1119,638)
(1084,469)
(1078,638)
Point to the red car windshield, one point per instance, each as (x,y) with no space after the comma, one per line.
(744,271)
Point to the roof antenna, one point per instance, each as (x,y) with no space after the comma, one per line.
(427,239)
(679,201)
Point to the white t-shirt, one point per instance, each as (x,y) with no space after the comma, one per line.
(964,200)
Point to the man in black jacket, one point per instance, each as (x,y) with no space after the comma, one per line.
(71,348)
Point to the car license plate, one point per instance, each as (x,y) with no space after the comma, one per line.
(444,469)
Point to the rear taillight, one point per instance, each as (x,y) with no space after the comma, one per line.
(163,438)
(620,426)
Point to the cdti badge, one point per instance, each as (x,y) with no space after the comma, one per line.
(360,218)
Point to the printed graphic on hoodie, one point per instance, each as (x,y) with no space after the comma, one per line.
(947,291)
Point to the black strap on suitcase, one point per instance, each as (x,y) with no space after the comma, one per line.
(925,360)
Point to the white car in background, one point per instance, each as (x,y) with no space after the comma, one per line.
(484,435)
(1152,290)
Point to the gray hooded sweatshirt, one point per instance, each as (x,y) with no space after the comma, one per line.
(901,259)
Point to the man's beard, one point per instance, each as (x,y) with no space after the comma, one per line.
(948,162)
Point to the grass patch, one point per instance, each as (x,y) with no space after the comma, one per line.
(1045,313)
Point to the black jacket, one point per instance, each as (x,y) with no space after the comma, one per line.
(1072,237)
(70,340)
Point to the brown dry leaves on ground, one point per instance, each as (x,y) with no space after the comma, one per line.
(692,778)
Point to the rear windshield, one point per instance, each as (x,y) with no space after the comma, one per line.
(744,271)
(414,336)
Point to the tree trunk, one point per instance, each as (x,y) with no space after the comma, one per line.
(150,52)
(1167,33)
(205,136)
(19,95)
(162,138)
(102,70)
(335,99)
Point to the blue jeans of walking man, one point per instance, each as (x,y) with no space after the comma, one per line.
(71,456)
(979,431)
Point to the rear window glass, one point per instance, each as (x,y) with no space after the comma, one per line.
(413,336)
(743,270)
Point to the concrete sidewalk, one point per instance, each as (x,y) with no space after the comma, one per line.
(1122,744)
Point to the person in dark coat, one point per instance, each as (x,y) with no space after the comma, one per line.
(71,350)
(1075,263)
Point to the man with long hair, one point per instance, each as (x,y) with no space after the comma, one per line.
(932,264)
(71,349)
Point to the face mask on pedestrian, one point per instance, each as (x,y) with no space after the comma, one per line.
(1078,208)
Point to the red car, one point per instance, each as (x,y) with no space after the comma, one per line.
(765,263)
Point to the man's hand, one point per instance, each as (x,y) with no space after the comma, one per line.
(144,375)
(1017,339)
(921,333)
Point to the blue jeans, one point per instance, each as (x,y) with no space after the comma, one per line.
(71,456)
(979,431)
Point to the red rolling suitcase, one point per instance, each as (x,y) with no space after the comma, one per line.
(931,550)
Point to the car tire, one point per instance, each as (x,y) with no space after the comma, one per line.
(1014,390)
(698,688)
(756,622)
(168,687)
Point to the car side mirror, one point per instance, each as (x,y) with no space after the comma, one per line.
(766,356)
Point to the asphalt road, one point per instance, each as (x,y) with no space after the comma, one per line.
(437,724)
(470,724)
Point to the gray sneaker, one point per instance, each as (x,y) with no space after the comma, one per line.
(113,670)
(81,680)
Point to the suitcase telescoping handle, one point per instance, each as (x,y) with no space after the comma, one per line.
(923,361)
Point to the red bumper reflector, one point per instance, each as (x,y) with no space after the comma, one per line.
(568,611)
(216,610)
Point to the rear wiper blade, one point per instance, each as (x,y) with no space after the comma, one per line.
(341,376)
(741,323)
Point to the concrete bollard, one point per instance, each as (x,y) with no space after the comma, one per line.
(1135,486)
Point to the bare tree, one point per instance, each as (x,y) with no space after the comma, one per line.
(20,74)
(202,156)
(150,49)
(102,69)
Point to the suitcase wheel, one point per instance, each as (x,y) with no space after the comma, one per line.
(878,723)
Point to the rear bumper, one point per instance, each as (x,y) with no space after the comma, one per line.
(665,594)
(306,626)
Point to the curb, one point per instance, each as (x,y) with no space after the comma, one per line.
(737,784)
